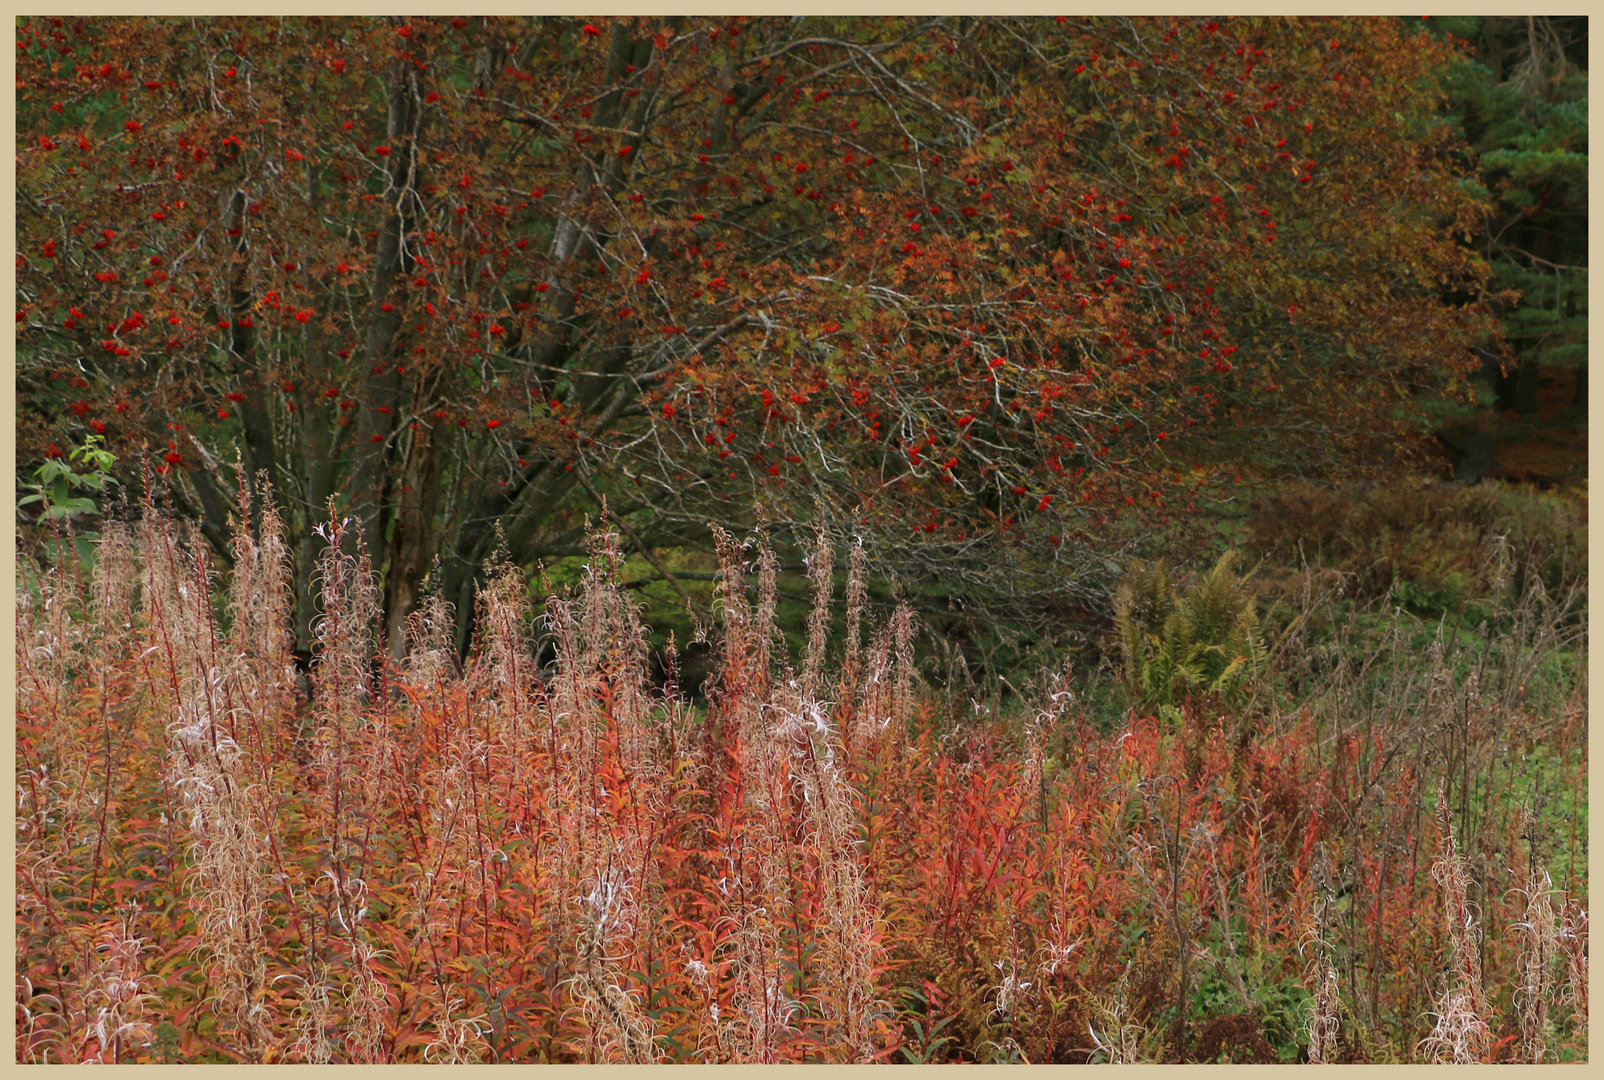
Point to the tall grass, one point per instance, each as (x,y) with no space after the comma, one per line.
(1370,852)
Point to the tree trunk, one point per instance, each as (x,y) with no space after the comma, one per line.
(372,479)
(411,544)
(321,434)
(260,452)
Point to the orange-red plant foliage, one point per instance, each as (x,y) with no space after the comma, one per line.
(514,863)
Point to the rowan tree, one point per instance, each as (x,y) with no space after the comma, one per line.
(997,295)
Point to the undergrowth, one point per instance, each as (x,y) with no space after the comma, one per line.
(1352,848)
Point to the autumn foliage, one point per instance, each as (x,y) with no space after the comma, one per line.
(382,320)
(982,291)
(515,861)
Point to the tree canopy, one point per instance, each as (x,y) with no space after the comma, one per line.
(996,295)
(1520,97)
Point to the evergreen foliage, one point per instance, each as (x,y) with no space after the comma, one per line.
(1520,97)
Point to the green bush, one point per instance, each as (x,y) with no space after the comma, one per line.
(62,489)
(1173,644)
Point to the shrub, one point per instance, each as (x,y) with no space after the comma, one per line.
(1428,546)
(1172,644)
(498,862)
